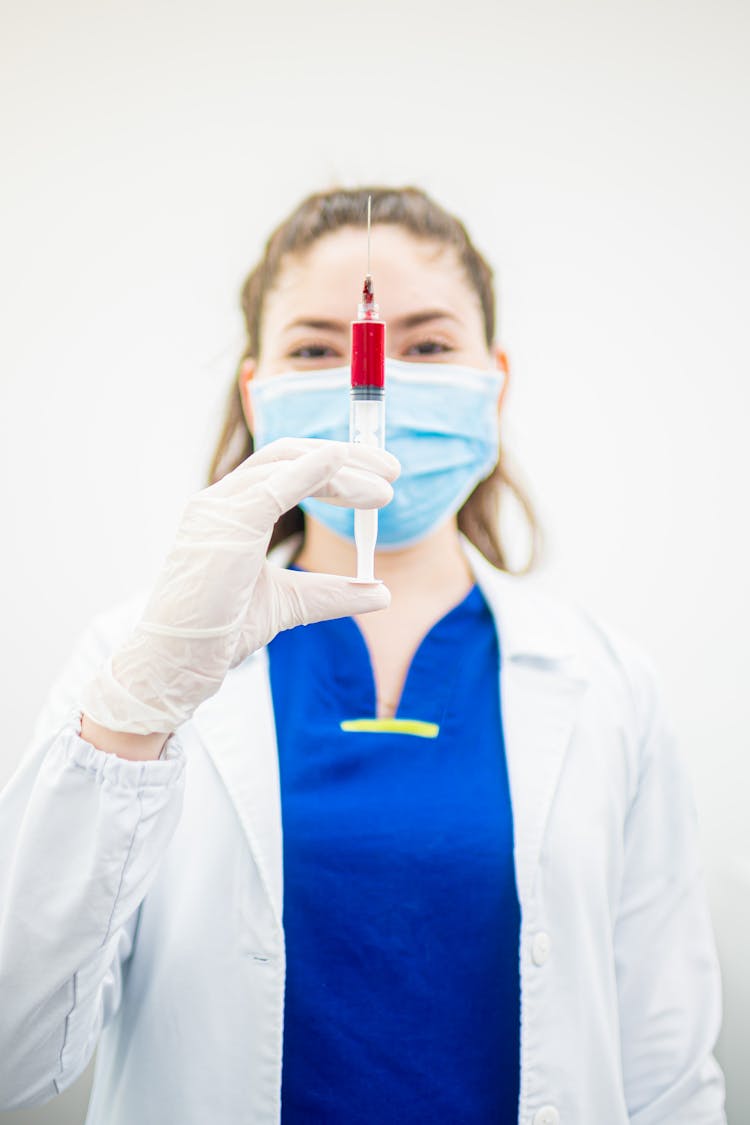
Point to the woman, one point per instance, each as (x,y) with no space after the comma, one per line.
(488,906)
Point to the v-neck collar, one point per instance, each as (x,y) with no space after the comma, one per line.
(358,678)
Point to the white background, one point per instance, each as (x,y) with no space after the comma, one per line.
(598,153)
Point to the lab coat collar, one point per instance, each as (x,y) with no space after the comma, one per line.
(527,620)
(541,684)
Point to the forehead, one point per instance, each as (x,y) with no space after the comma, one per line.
(409,273)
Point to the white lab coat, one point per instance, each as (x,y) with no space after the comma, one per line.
(142,902)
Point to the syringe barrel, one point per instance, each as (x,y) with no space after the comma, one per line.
(368,352)
(366,427)
(367,416)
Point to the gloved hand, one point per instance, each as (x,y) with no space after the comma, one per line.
(217,599)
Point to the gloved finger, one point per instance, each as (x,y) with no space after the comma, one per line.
(292,481)
(306,597)
(348,488)
(368,457)
(356,488)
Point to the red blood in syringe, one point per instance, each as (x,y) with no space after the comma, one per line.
(368,343)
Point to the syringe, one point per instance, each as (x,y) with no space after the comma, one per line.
(367,405)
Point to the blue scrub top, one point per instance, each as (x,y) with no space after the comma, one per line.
(400,914)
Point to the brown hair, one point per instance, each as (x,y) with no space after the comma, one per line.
(413,210)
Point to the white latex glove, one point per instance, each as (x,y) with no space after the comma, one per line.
(217,599)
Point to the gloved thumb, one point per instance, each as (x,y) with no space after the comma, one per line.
(306,597)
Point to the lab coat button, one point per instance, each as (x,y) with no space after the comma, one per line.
(547,1115)
(540,948)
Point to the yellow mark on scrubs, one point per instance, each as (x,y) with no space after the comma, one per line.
(392,726)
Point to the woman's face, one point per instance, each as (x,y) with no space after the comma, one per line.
(431,311)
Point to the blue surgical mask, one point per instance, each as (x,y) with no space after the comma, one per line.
(440,422)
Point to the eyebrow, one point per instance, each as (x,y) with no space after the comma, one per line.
(413,320)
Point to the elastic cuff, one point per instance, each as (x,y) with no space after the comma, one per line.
(163,771)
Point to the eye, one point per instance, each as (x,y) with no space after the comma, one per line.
(312,351)
(428,347)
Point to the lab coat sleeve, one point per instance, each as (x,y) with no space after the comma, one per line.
(666,961)
(82,833)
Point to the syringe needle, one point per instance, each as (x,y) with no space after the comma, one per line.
(369,223)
